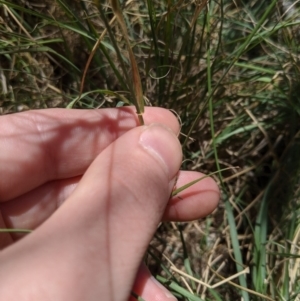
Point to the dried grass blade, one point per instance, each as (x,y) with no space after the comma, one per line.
(138,91)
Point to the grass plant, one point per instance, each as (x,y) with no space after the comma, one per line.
(230,70)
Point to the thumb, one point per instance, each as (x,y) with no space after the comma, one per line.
(93,245)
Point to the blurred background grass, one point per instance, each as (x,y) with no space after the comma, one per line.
(230,70)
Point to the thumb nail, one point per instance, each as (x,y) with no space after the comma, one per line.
(161,143)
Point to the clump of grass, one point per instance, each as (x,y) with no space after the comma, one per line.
(231,71)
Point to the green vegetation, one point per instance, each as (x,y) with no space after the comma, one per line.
(230,70)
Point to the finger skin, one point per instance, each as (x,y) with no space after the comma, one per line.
(194,202)
(149,288)
(45,145)
(96,240)
(29,210)
(32,209)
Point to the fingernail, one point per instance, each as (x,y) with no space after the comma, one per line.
(163,290)
(162,144)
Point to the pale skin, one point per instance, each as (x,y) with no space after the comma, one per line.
(93,186)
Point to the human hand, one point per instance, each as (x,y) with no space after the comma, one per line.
(94,187)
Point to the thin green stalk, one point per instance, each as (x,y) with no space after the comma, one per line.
(230,217)
(115,45)
(15,231)
(178,289)
(154,44)
(186,260)
(235,58)
(183,187)
(184,44)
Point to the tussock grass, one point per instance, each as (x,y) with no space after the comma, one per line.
(230,69)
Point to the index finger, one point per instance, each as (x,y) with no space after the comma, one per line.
(44,145)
